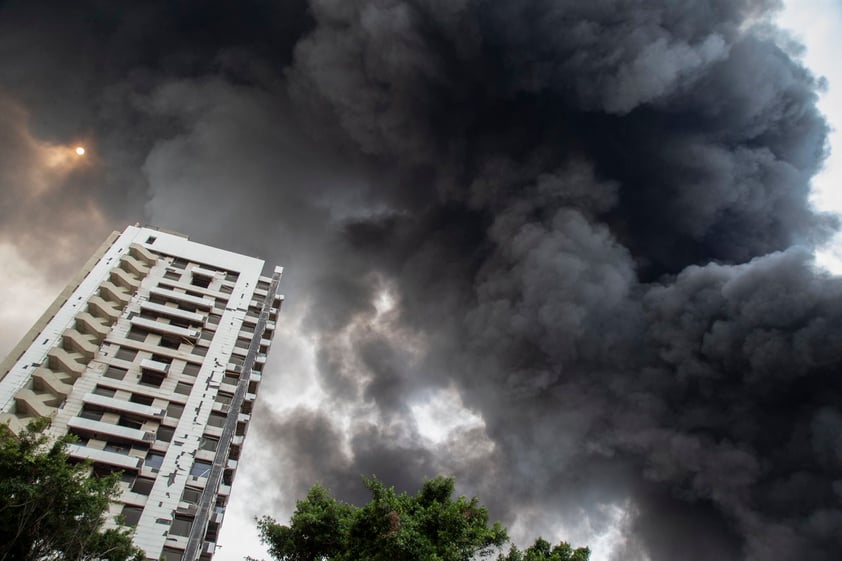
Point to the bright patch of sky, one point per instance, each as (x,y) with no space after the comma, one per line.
(817,24)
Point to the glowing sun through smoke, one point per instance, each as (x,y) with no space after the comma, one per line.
(80,151)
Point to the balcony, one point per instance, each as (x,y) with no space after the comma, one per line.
(165,328)
(221,407)
(103,308)
(143,254)
(104,457)
(101,429)
(123,406)
(48,380)
(77,342)
(155,366)
(255,376)
(260,359)
(169,311)
(124,279)
(203,272)
(181,297)
(38,405)
(60,359)
(134,266)
(93,325)
(111,291)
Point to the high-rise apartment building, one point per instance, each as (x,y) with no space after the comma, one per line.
(152,356)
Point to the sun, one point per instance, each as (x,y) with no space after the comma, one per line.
(80,151)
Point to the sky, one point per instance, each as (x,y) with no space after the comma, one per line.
(563,251)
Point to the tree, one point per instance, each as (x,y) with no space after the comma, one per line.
(429,526)
(542,550)
(50,508)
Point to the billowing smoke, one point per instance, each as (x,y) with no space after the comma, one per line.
(587,223)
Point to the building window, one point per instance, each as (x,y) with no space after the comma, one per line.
(208,443)
(172,275)
(90,414)
(199,351)
(216,419)
(200,468)
(179,263)
(201,282)
(162,358)
(143,485)
(231,277)
(223,397)
(106,392)
(242,343)
(170,554)
(153,379)
(224,289)
(126,354)
(131,515)
(154,460)
(214,319)
(183,388)
(181,526)
(191,495)
(136,334)
(115,372)
(263,285)
(130,422)
(236,360)
(165,434)
(230,378)
(117,447)
(175,410)
(191,369)
(142,399)
(170,342)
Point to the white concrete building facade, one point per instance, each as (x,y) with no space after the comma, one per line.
(152,357)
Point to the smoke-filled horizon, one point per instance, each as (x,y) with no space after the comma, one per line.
(586,224)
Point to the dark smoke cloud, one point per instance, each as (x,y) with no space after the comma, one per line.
(588,222)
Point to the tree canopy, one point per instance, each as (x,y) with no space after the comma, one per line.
(428,526)
(50,508)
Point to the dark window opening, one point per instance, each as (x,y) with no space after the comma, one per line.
(106,392)
(136,334)
(200,468)
(191,495)
(165,434)
(154,460)
(126,354)
(181,526)
(183,388)
(201,282)
(142,399)
(143,485)
(130,422)
(175,410)
(153,379)
(170,342)
(131,515)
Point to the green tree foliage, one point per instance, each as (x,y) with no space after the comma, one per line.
(50,509)
(542,550)
(429,526)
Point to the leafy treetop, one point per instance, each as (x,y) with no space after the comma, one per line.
(50,508)
(429,526)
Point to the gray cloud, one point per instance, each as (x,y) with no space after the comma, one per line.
(590,219)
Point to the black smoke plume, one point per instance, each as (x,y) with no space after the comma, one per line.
(589,221)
